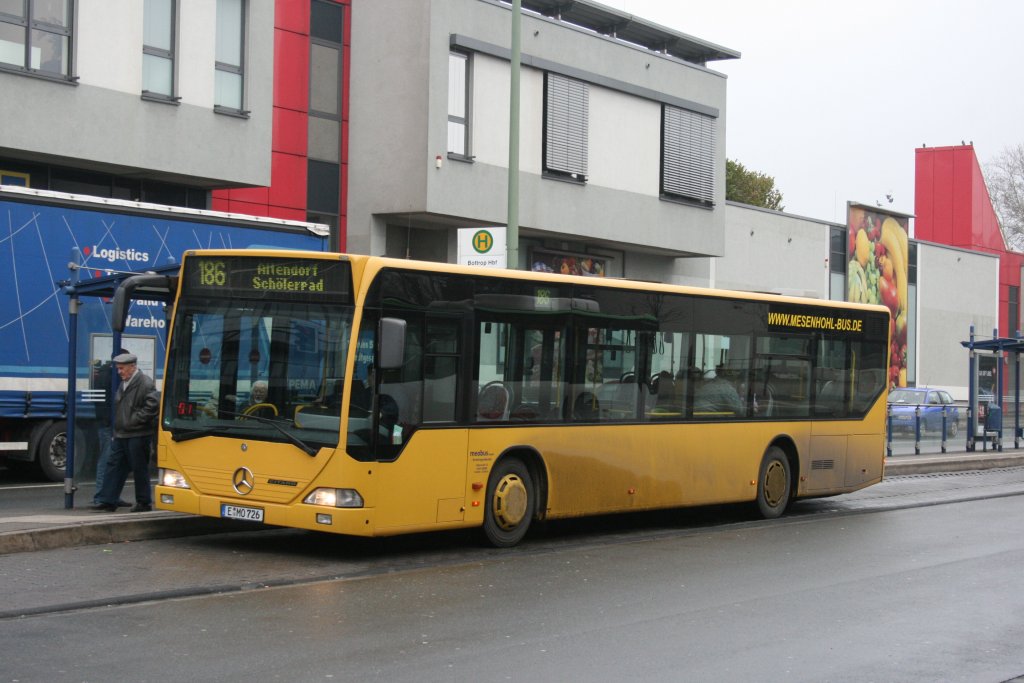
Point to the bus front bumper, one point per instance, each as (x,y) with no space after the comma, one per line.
(351,521)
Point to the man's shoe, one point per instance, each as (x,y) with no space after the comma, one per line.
(123,504)
(103,507)
(139,507)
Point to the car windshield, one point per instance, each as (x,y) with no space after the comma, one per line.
(906,396)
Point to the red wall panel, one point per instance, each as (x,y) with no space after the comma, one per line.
(944,200)
(288,181)
(290,131)
(924,192)
(253,195)
(287,214)
(250,208)
(292,15)
(291,70)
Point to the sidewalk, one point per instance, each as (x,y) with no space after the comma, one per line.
(37,520)
(34,518)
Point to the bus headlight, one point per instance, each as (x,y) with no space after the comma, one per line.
(335,498)
(172,478)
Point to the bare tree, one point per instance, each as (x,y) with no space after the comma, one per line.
(1005,181)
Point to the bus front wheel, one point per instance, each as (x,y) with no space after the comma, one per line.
(775,484)
(511,503)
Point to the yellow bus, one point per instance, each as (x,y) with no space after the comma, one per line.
(372,396)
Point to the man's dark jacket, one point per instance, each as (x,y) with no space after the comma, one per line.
(136,408)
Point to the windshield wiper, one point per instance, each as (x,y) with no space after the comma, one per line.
(294,440)
(189,434)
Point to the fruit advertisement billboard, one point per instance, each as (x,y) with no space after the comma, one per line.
(877,273)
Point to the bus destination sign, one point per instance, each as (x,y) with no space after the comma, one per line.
(270,276)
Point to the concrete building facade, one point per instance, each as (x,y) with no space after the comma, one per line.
(88,95)
(612,105)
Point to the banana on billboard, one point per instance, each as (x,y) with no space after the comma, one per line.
(879,252)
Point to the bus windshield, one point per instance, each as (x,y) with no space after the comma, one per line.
(261,370)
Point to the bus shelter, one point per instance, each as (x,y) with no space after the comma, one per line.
(93,341)
(986,400)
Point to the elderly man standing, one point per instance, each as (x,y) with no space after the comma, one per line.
(135,409)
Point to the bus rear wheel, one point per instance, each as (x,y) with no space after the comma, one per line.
(774,484)
(511,503)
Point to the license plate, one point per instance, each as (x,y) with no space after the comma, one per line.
(239,512)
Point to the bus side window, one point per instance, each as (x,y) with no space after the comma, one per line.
(440,369)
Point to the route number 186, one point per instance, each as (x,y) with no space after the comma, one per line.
(211,274)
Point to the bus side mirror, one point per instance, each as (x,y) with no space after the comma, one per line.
(156,286)
(391,333)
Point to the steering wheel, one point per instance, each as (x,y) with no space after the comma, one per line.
(256,407)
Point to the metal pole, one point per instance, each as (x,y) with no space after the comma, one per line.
(888,431)
(512,235)
(944,429)
(70,400)
(69,463)
(917,430)
(999,390)
(1017,390)
(972,397)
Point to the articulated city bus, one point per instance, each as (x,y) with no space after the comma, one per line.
(373,396)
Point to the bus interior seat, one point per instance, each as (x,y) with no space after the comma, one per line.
(830,398)
(586,407)
(868,384)
(494,403)
(618,398)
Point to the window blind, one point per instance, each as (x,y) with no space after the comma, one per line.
(688,154)
(567,114)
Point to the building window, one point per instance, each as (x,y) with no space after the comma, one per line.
(324,101)
(458,105)
(323,166)
(837,264)
(14,178)
(35,36)
(229,85)
(1014,313)
(325,53)
(159,20)
(687,155)
(566,126)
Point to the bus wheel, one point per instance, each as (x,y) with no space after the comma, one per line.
(511,502)
(774,486)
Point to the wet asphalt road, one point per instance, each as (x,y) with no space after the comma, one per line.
(917,579)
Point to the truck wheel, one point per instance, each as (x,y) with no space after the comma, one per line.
(52,452)
(774,484)
(511,503)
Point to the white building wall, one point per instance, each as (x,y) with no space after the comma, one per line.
(771,251)
(626,157)
(956,288)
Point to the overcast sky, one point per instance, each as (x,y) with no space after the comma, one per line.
(832,97)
